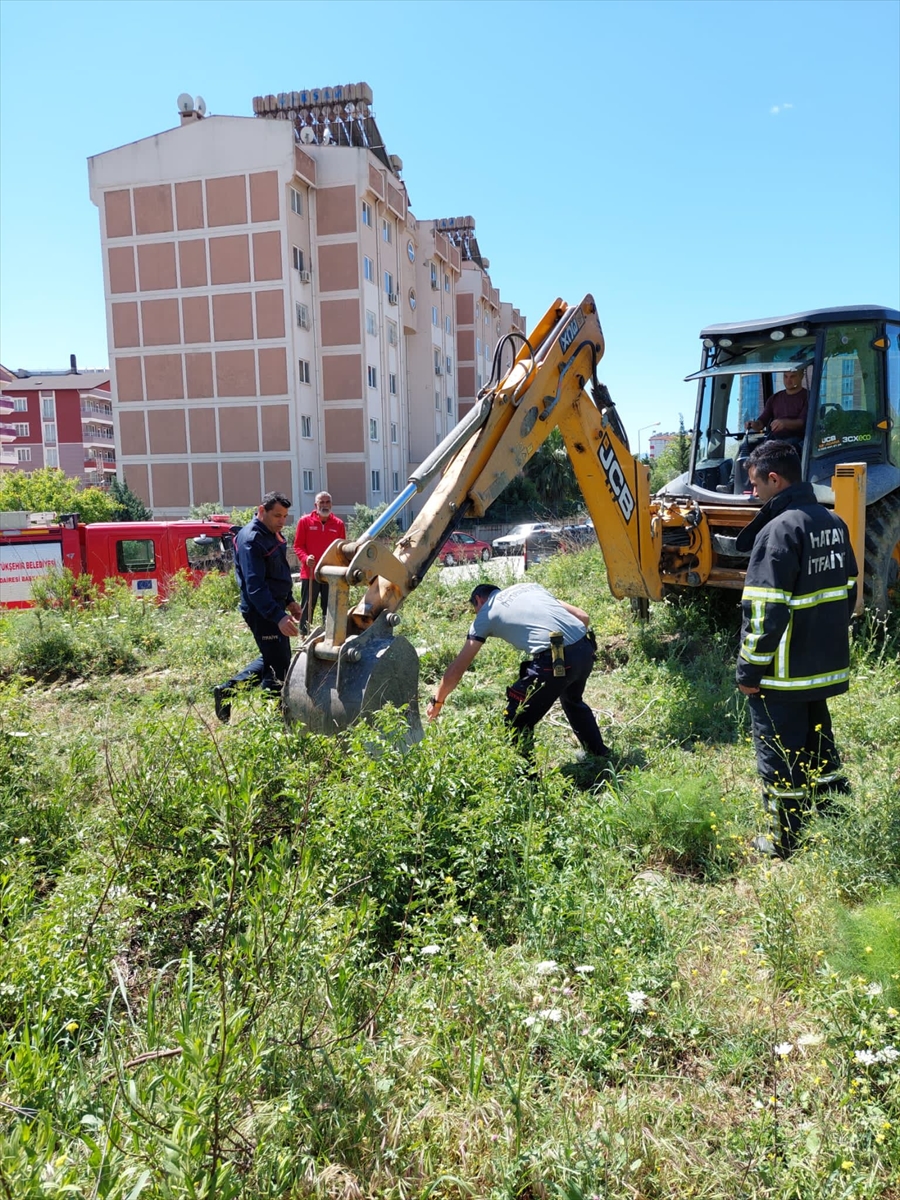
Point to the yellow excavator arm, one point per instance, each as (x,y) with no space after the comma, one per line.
(355,665)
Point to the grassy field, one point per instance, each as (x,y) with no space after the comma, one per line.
(244,962)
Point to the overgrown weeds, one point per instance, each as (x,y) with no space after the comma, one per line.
(250,962)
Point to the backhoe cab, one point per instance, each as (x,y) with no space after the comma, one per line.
(850,364)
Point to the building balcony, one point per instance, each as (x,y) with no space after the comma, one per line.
(100,463)
(91,437)
(96,412)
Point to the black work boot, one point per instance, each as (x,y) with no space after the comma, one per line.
(223,704)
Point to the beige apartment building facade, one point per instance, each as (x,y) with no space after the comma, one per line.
(272,314)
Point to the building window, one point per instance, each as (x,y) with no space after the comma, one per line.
(368,269)
(373,429)
(23,453)
(376,481)
(373,376)
(446,282)
(434,276)
(412,299)
(479,381)
(303,316)
(396,482)
(298,258)
(389,283)
(477,312)
(47,408)
(296,202)
(20,403)
(392,333)
(392,383)
(394,433)
(51,457)
(305,426)
(450,404)
(437,360)
(435,318)
(478,345)
(448,362)
(50,433)
(371,327)
(410,252)
(437,400)
(447,325)
(367,218)
(386,231)
(303,364)
(308,482)
(22,429)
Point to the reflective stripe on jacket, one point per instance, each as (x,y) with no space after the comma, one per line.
(798,598)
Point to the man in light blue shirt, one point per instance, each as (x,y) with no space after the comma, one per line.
(526,615)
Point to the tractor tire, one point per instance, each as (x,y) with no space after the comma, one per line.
(881,583)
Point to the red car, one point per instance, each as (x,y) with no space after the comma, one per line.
(459,548)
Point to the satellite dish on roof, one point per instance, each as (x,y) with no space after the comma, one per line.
(307,136)
(201,106)
(185,103)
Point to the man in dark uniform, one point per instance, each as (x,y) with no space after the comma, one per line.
(799,595)
(267,600)
(529,618)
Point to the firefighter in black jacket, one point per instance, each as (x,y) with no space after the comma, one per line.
(798,598)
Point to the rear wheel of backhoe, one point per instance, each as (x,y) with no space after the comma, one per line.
(881,585)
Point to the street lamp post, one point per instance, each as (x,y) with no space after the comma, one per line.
(643,429)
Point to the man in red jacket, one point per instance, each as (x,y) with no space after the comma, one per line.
(315,533)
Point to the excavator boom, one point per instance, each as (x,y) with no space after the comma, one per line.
(355,664)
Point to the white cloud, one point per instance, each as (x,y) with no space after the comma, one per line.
(778,108)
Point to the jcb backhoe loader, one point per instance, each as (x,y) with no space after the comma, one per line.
(683,538)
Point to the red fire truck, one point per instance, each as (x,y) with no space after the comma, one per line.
(147,554)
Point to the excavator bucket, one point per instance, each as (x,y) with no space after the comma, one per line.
(356,680)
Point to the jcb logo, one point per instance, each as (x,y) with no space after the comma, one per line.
(615,479)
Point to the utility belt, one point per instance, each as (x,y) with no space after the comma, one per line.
(555,654)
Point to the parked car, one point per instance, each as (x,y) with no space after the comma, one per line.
(544,543)
(578,536)
(460,548)
(514,541)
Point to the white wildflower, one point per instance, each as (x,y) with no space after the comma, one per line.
(551,1014)
(637,1001)
(430,950)
(874,989)
(889,1054)
(809,1039)
(783,1049)
(529,1021)
(865,1057)
(547,967)
(585,970)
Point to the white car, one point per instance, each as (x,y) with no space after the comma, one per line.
(514,541)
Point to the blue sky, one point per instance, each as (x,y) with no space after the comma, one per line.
(686,162)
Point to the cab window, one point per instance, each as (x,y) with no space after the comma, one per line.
(206,553)
(893,391)
(847,404)
(135,554)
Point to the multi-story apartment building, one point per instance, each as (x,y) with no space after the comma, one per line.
(271,315)
(62,419)
(8,458)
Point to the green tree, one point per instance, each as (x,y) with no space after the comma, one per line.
(553,476)
(674,460)
(362,517)
(129,507)
(50,489)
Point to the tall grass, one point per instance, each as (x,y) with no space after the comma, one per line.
(249,962)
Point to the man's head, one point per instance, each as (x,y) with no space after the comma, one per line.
(793,381)
(273,512)
(481,594)
(323,505)
(772,467)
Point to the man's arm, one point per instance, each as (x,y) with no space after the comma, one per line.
(768,588)
(257,590)
(300,539)
(453,675)
(577,612)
